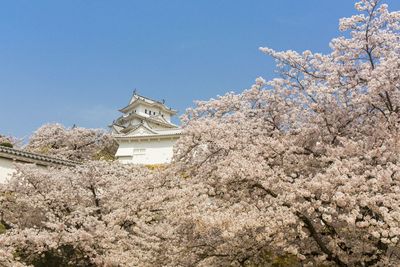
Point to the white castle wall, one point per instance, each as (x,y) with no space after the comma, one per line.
(7,168)
(146,151)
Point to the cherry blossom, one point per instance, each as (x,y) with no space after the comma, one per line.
(307,163)
(74,143)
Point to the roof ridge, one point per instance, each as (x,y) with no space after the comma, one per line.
(37,156)
(158,101)
(137,97)
(152,119)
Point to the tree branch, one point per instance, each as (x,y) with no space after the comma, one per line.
(314,234)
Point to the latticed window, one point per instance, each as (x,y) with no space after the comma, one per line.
(139,151)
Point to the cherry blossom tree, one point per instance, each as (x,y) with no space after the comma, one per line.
(74,143)
(98,214)
(306,164)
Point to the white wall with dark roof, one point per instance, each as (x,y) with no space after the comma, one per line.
(10,156)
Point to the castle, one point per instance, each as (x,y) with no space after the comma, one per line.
(144,132)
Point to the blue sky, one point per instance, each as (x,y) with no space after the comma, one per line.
(77,61)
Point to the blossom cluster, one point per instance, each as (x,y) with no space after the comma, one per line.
(74,143)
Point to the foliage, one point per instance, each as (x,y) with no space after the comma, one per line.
(9,141)
(2,229)
(156,166)
(7,144)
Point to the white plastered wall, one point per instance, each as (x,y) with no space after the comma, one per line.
(141,110)
(7,168)
(150,151)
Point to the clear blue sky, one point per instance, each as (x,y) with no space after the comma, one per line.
(77,61)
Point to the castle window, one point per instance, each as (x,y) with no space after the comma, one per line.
(145,111)
(139,151)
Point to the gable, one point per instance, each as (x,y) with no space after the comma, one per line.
(141,130)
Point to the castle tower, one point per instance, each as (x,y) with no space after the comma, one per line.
(145,133)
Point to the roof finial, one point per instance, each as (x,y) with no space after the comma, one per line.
(134,91)
(163,101)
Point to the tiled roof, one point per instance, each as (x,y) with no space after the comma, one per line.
(158,135)
(150,101)
(148,98)
(156,120)
(24,156)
